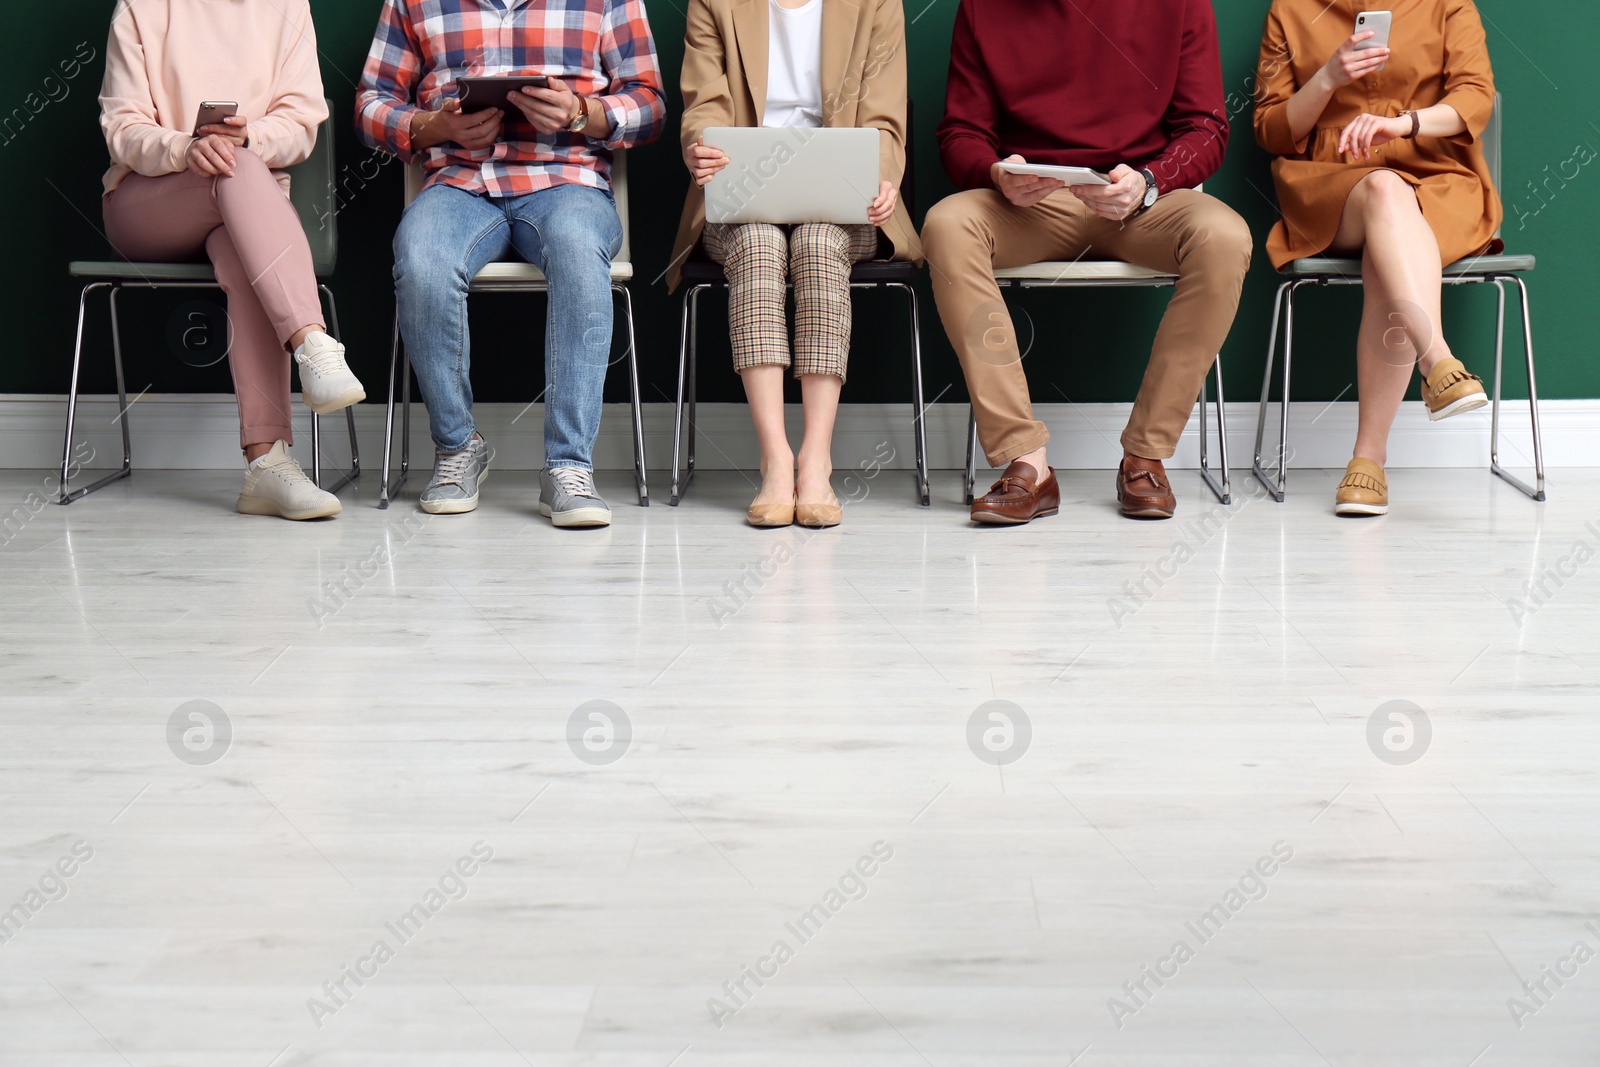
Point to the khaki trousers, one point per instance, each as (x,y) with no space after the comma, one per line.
(1199,238)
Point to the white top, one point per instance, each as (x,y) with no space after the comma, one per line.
(794,65)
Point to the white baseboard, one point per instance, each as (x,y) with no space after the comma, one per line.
(200,432)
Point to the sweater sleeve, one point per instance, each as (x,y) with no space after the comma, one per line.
(1468,77)
(127,107)
(286,134)
(968,145)
(1197,116)
(1275,84)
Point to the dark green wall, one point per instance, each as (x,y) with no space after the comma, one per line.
(1092,348)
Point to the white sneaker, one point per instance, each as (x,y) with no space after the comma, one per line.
(275,485)
(326,382)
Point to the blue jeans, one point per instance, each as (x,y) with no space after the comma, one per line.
(446,236)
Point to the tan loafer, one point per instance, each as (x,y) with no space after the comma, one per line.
(1449,389)
(1364,491)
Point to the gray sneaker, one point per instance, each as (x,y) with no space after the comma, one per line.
(567,495)
(453,489)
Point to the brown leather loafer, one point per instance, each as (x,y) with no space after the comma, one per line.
(1018,497)
(1143,491)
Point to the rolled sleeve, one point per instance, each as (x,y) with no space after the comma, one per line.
(634,104)
(1275,86)
(394,67)
(1468,76)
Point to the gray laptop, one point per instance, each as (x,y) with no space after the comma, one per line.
(793,174)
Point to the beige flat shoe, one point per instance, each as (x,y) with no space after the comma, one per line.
(770,514)
(818,516)
(1364,491)
(1450,389)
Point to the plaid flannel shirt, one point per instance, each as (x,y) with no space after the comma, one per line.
(598,47)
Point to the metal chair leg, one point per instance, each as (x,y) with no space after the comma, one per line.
(1535,491)
(694,384)
(638,408)
(971,478)
(1283,301)
(385,490)
(1221,489)
(919,426)
(684,422)
(68,495)
(677,408)
(354,473)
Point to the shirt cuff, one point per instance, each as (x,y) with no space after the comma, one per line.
(617,112)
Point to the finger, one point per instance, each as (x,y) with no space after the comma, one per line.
(557,84)
(452,105)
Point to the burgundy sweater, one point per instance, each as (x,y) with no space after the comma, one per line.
(1088,83)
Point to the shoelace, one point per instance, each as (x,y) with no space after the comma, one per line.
(450,468)
(287,469)
(574,480)
(328,360)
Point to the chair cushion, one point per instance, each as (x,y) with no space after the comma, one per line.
(516,274)
(124,271)
(1470,267)
(1083,271)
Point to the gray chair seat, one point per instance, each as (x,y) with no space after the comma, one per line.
(1325,266)
(1082,271)
(139,272)
(523,275)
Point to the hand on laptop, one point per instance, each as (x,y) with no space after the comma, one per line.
(1119,199)
(704,161)
(1023,190)
(879,210)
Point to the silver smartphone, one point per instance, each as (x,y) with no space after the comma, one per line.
(212,112)
(1378,22)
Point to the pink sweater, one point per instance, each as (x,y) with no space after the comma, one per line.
(167,56)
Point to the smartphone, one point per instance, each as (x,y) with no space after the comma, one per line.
(212,112)
(482,93)
(1378,22)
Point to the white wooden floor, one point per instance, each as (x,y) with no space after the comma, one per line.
(987,882)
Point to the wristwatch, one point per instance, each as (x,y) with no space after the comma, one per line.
(582,119)
(1151,192)
(1416,124)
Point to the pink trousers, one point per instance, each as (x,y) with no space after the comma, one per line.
(253,237)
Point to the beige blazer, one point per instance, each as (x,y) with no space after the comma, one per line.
(863,84)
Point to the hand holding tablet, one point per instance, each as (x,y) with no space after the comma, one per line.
(1064,175)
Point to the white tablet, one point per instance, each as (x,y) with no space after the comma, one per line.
(1070,175)
(793,174)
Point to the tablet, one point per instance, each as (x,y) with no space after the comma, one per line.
(1070,175)
(793,174)
(482,93)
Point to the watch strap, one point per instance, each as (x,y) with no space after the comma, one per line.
(1149,185)
(1416,123)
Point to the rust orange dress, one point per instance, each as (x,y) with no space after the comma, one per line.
(1439,56)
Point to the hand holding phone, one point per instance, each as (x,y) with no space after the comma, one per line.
(1359,55)
(1376,23)
(213,113)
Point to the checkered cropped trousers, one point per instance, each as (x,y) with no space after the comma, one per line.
(815,257)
